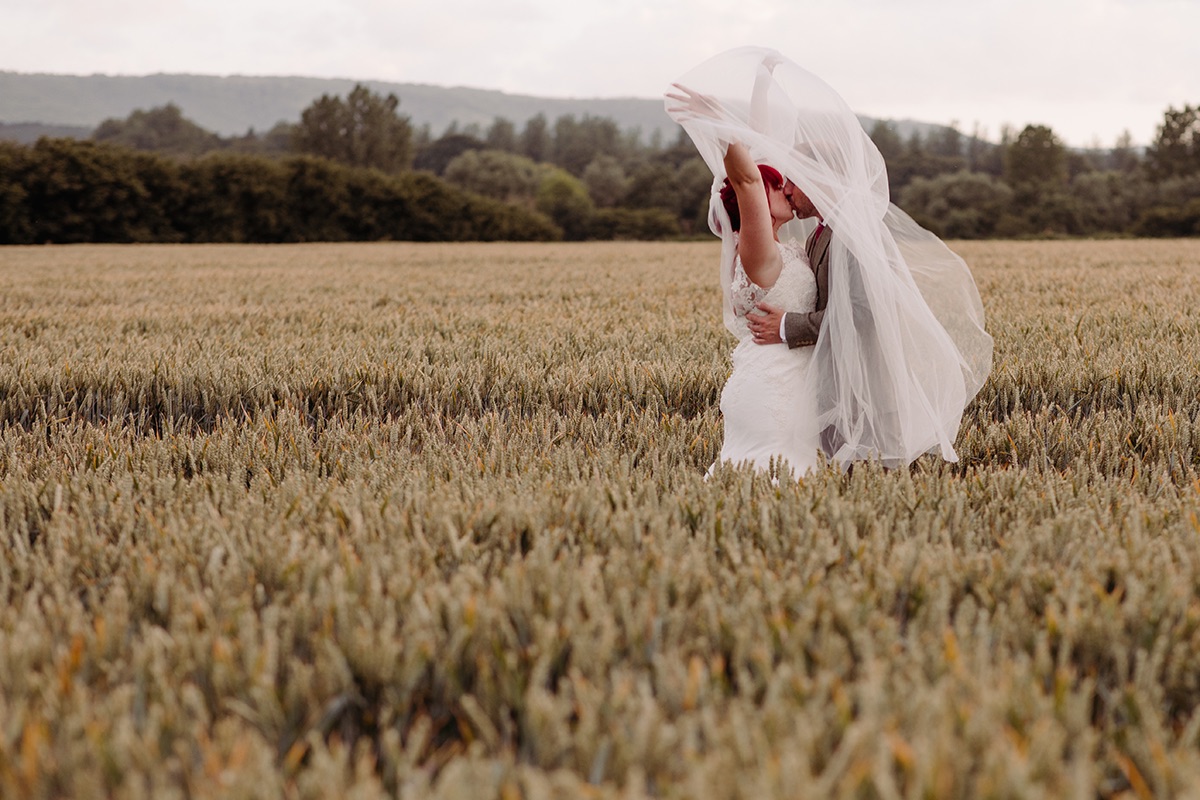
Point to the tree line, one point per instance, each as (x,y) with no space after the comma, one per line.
(67,191)
(357,168)
(1031,184)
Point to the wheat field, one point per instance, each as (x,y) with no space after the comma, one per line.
(420,521)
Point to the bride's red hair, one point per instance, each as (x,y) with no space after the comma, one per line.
(771,178)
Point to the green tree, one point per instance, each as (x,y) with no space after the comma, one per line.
(695,187)
(1176,191)
(236,198)
(578,143)
(15,225)
(79,191)
(960,205)
(606,181)
(654,185)
(535,141)
(920,159)
(1080,163)
(990,158)
(982,155)
(947,141)
(1108,200)
(1035,158)
(1037,166)
(507,177)
(564,199)
(66,191)
(364,130)
(1170,220)
(502,135)
(317,199)
(1175,151)
(437,155)
(889,143)
(161,130)
(433,210)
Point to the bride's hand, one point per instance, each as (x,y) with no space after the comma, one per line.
(693,104)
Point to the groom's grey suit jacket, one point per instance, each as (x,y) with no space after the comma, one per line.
(801,327)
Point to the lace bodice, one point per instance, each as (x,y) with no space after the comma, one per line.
(794,290)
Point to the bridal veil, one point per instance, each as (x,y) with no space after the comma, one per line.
(902,348)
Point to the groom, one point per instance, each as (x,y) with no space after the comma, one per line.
(798,328)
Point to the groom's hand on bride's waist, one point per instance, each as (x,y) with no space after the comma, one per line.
(767,325)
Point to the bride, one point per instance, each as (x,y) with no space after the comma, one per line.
(901,348)
(768,408)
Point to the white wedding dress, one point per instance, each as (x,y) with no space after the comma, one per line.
(769,403)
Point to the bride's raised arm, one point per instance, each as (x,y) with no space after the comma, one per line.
(756,240)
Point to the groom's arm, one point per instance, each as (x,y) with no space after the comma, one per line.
(801,329)
(773,325)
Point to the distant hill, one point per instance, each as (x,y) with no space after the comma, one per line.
(30,132)
(232,105)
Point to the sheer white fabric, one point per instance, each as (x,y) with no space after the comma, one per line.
(768,405)
(902,348)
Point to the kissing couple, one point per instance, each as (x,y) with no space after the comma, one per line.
(860,334)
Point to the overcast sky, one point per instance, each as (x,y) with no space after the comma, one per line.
(1089,69)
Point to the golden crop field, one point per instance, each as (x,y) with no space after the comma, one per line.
(431,521)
